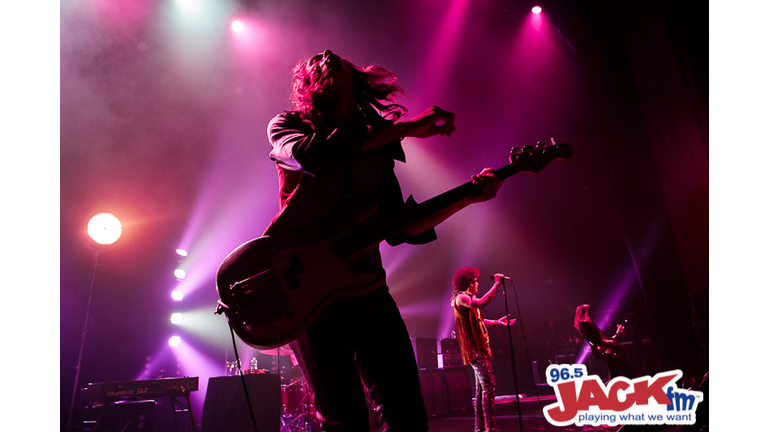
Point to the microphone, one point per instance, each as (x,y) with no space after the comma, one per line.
(506,278)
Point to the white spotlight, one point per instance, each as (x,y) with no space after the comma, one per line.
(177,295)
(176,318)
(180,274)
(174,341)
(105,228)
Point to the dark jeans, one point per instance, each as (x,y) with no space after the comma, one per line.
(362,338)
(485,395)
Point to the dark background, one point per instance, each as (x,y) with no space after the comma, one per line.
(162,122)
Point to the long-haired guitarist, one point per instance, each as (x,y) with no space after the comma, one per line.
(602,346)
(335,155)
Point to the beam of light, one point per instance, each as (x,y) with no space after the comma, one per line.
(411,176)
(443,51)
(221,221)
(195,363)
(123,18)
(613,306)
(536,19)
(550,34)
(155,363)
(203,324)
(104,228)
(193,29)
(250,36)
(427,309)
(188,5)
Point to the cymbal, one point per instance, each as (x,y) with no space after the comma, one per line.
(283,350)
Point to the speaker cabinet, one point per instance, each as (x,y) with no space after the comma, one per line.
(451,352)
(458,390)
(225,407)
(426,353)
(433,390)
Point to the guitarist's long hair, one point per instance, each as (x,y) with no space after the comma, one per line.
(583,313)
(375,90)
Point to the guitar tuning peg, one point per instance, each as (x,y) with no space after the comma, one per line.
(528,147)
(516,150)
(540,144)
(553,141)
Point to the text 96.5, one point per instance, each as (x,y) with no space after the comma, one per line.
(563,372)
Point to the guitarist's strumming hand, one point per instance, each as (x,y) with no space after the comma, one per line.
(433,121)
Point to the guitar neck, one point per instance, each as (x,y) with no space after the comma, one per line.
(376,230)
(446,199)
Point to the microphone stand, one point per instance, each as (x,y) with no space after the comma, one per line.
(512,354)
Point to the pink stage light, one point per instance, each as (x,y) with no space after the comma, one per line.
(536,9)
(237,26)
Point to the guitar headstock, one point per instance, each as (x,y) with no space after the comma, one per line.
(535,158)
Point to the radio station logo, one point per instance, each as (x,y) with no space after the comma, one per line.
(585,400)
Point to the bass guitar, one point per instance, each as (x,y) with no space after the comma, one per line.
(272,288)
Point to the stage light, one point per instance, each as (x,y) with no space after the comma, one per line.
(536,9)
(176,318)
(180,274)
(104,228)
(237,26)
(181,252)
(174,341)
(177,295)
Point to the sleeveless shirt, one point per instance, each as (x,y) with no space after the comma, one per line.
(472,333)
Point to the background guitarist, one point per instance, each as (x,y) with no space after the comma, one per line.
(602,346)
(334,152)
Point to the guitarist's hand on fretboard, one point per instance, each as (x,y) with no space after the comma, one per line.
(488,184)
(619,331)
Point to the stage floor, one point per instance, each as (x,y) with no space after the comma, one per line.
(507,419)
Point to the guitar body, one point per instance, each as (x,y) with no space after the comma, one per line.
(273,288)
(612,348)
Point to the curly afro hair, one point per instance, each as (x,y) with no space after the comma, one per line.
(463,277)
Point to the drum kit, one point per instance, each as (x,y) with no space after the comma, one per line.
(298,411)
